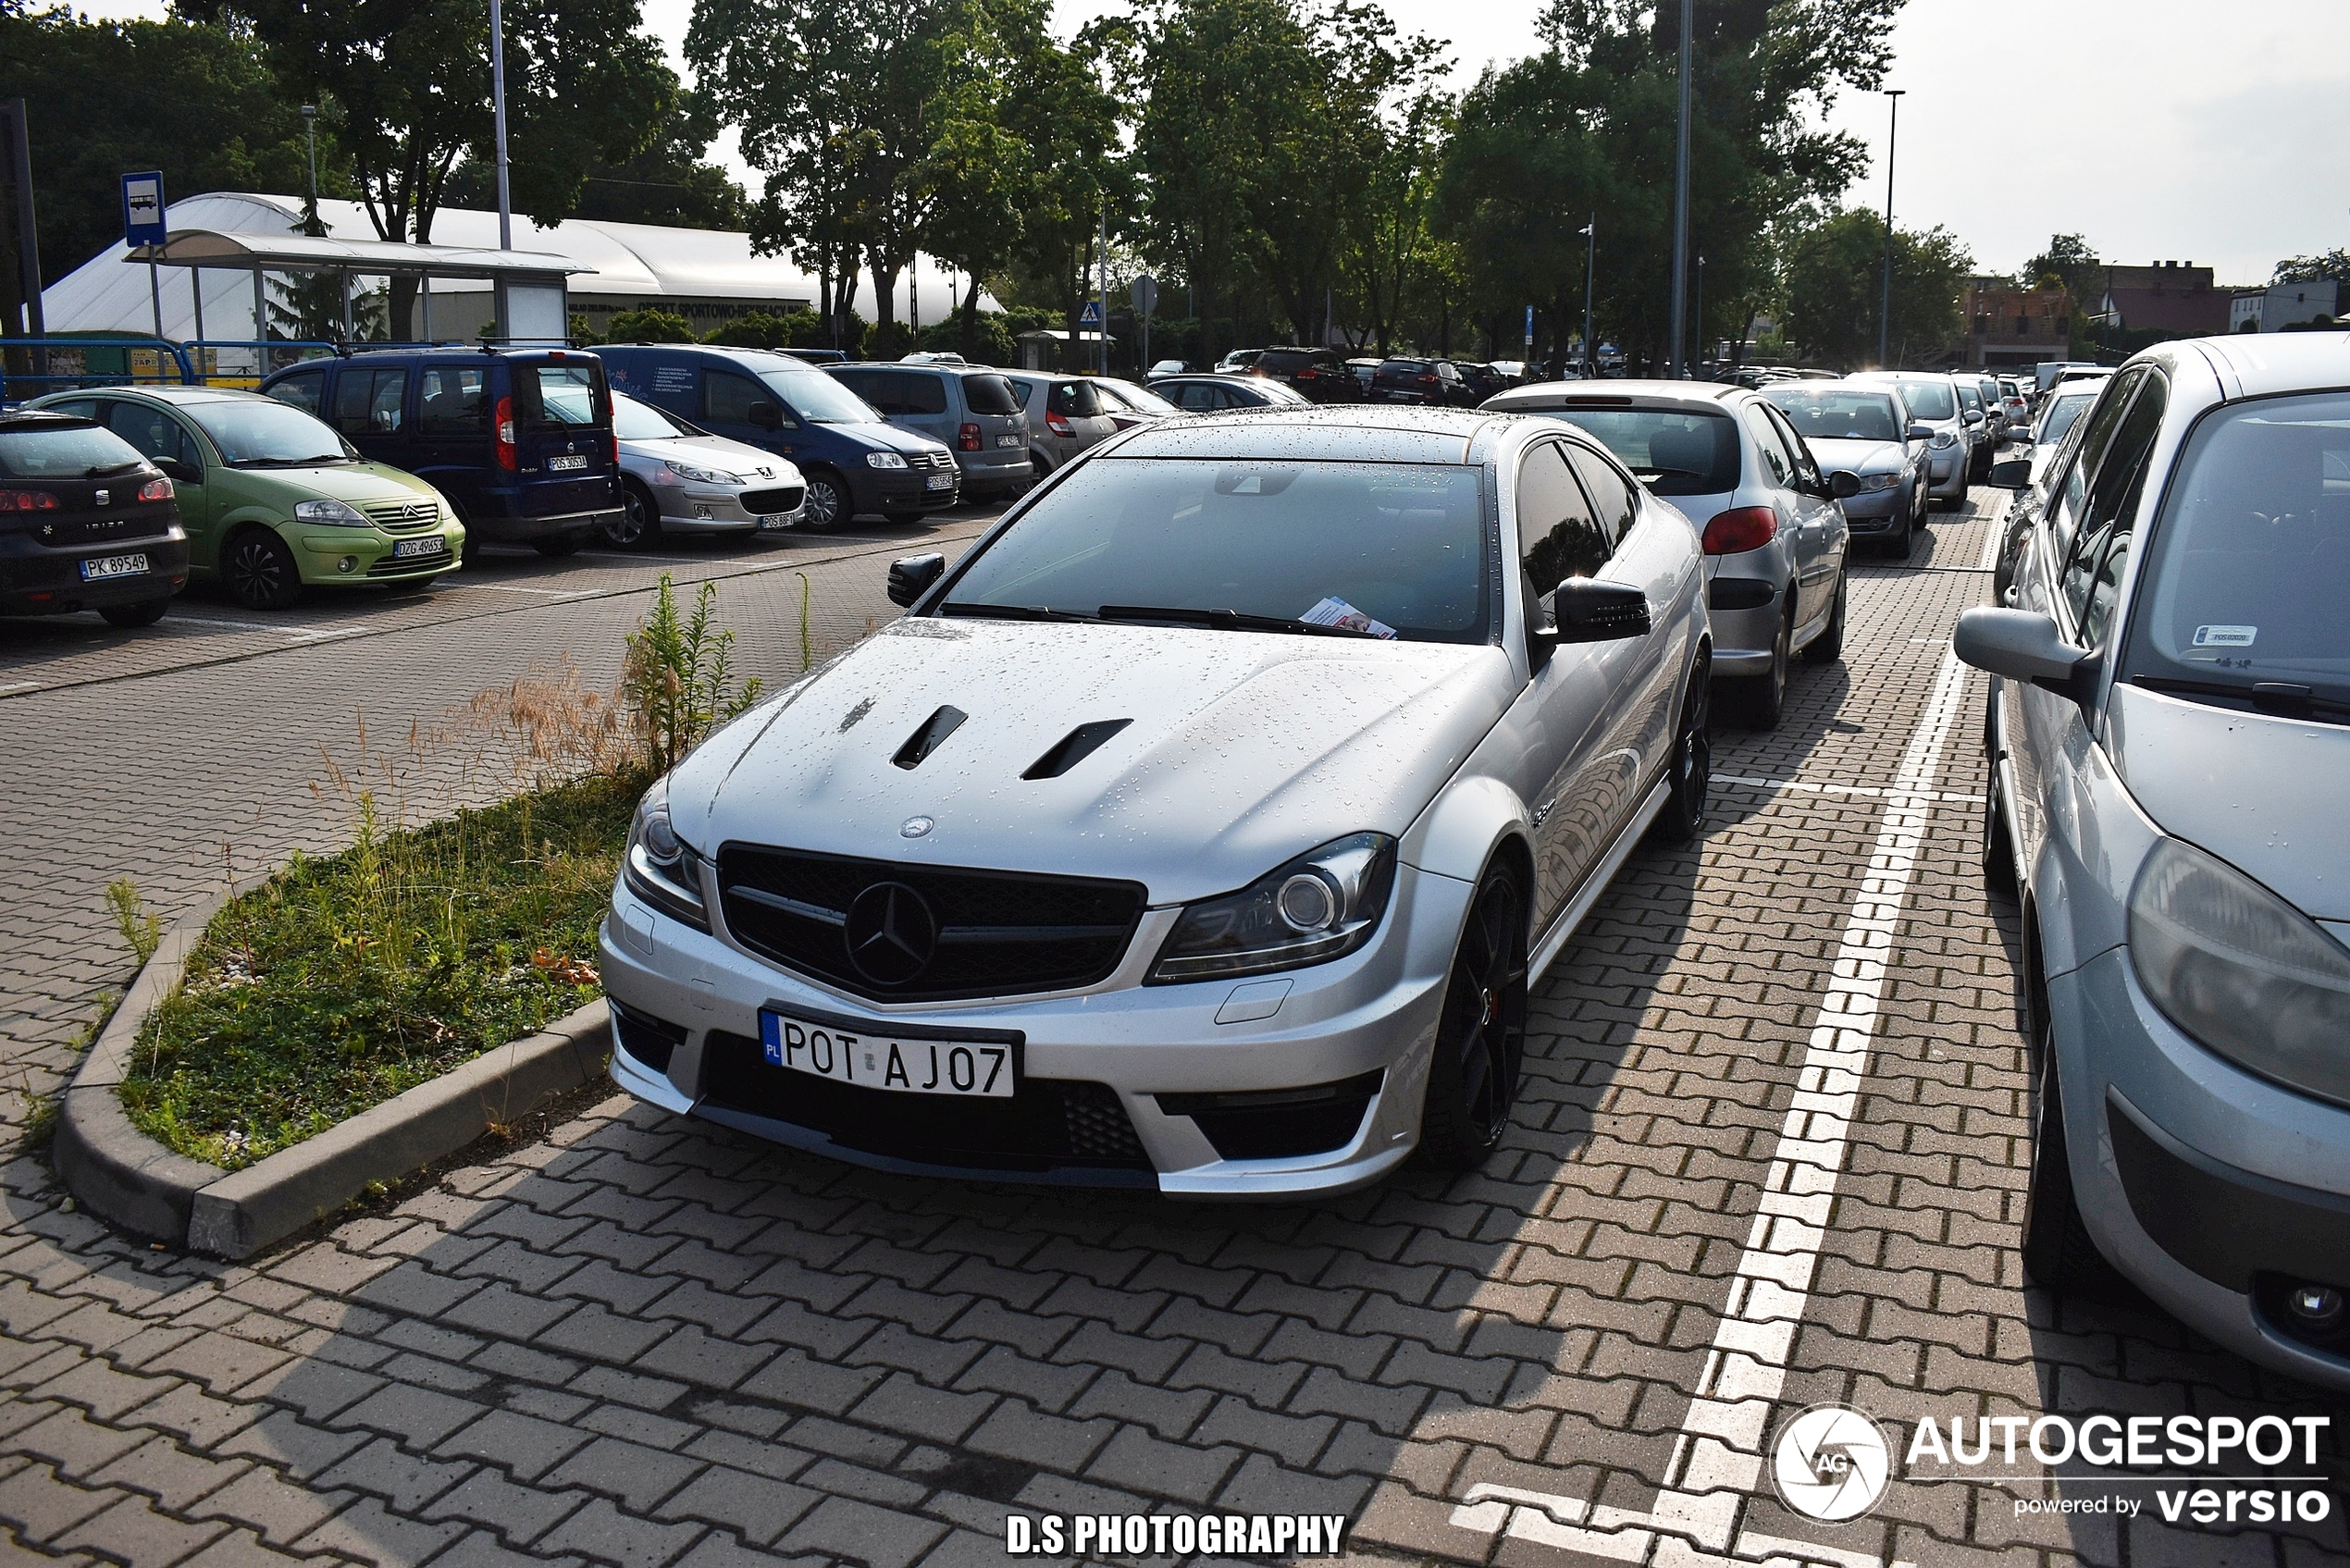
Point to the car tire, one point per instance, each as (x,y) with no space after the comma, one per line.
(1684,815)
(1829,647)
(1762,698)
(563,544)
(1480,1035)
(1896,546)
(2059,1252)
(638,524)
(260,570)
(147,612)
(1999,853)
(828,505)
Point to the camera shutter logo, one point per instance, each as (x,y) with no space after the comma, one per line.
(1831,1463)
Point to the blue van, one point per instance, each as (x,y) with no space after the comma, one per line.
(520,440)
(854,460)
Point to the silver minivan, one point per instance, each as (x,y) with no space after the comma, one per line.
(973,412)
(1066,417)
(1775,537)
(2167,750)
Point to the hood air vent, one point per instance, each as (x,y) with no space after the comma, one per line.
(933,732)
(1074,748)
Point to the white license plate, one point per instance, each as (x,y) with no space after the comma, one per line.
(1008,441)
(940,481)
(975,1069)
(775,522)
(565,464)
(407,548)
(113,566)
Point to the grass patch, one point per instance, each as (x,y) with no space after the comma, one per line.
(342,982)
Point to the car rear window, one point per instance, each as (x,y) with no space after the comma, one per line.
(1674,452)
(1930,398)
(69,452)
(990,394)
(1837,416)
(1074,399)
(568,393)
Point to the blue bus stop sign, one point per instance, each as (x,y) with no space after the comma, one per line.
(142,219)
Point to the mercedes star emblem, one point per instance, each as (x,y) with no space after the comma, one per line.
(890,932)
(915,827)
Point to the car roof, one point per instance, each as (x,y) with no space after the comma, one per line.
(1612,394)
(2264,363)
(183,397)
(1346,433)
(37,417)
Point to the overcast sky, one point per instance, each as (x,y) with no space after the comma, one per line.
(2161,130)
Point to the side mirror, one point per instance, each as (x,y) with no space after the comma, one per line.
(1844,483)
(1918,433)
(766,415)
(911,576)
(178,471)
(2021,644)
(2015,474)
(1586,611)
(1974,416)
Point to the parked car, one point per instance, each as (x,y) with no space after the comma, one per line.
(1169,367)
(1771,526)
(1220,394)
(1316,374)
(1434,381)
(1364,370)
(974,412)
(1995,411)
(677,477)
(272,499)
(852,460)
(1128,405)
(2165,767)
(1515,371)
(518,441)
(2060,424)
(2018,404)
(1484,381)
(1066,416)
(1980,440)
(819,356)
(86,522)
(1261,719)
(1866,431)
(1237,360)
(1933,400)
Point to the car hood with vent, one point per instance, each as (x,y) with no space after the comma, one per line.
(1241,749)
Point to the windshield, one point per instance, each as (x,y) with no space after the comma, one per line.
(817,398)
(1402,546)
(262,431)
(1839,416)
(63,452)
(2249,568)
(1930,398)
(2062,414)
(1674,452)
(1134,397)
(633,420)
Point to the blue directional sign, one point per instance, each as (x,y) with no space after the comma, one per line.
(142,219)
(1090,320)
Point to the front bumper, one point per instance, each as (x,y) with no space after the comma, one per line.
(899,490)
(1876,512)
(1123,1044)
(708,509)
(329,555)
(2212,1190)
(38,579)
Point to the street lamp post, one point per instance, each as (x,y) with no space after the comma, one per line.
(1697,319)
(310,131)
(1885,306)
(1590,255)
(1674,363)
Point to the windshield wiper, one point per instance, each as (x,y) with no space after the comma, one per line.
(1010,611)
(288,462)
(108,471)
(2290,699)
(1227,620)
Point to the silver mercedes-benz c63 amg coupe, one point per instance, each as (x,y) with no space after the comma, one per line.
(1202,828)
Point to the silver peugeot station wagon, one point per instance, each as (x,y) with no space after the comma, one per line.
(1203,827)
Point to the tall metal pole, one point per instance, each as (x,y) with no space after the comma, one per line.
(498,119)
(310,131)
(1673,367)
(1697,319)
(28,235)
(1591,259)
(1884,305)
(1105,282)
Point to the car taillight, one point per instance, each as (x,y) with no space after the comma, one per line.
(1427,380)
(27,500)
(1741,529)
(155,489)
(966,437)
(612,448)
(1058,426)
(1307,373)
(506,434)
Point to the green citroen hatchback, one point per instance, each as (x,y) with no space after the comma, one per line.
(273,499)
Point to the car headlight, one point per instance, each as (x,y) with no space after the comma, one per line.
(702,476)
(884,460)
(1878,482)
(1321,905)
(341,514)
(1943,439)
(660,868)
(2241,970)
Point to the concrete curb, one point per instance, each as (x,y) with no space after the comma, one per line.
(127,1177)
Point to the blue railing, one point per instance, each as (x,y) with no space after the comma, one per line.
(57,364)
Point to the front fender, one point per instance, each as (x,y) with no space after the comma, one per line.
(1458,832)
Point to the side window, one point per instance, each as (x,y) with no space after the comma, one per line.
(304,391)
(1807,468)
(370,401)
(154,432)
(921,393)
(2101,548)
(450,401)
(1779,463)
(1613,499)
(727,396)
(1557,536)
(81,408)
(2064,515)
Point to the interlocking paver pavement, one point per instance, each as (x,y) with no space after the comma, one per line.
(648,1342)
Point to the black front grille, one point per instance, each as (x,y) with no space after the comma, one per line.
(650,1039)
(1049,1124)
(996,934)
(408,565)
(931,462)
(766,503)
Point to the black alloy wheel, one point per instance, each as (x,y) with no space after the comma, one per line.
(1829,647)
(1480,1035)
(827,505)
(639,523)
(260,570)
(1898,544)
(1684,815)
(147,612)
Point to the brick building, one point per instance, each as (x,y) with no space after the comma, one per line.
(2177,297)
(2007,328)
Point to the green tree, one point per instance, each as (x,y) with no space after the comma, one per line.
(651,324)
(2333,264)
(2069,261)
(668,184)
(1834,290)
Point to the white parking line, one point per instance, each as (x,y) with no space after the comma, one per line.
(1874,794)
(19,685)
(1718,1456)
(512,588)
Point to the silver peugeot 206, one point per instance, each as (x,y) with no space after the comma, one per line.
(1203,827)
(2168,740)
